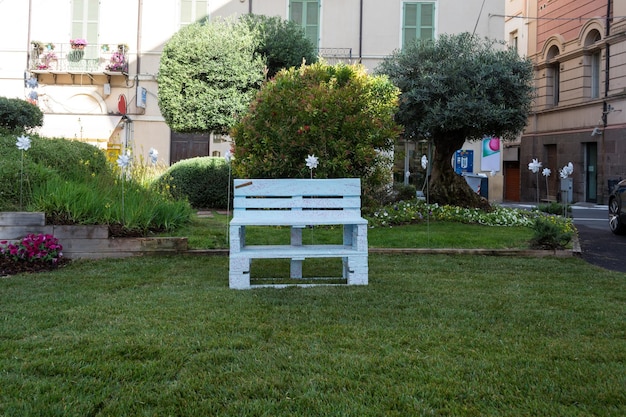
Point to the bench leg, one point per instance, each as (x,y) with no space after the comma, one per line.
(295,269)
(355,270)
(239,273)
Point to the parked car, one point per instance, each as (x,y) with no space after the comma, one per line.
(617,209)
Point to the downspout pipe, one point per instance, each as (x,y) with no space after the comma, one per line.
(250,7)
(28,39)
(607,63)
(360,31)
(139,31)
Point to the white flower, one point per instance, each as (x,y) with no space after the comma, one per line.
(311,161)
(546,172)
(228,156)
(123,161)
(424,161)
(534,166)
(567,170)
(23,143)
(154,155)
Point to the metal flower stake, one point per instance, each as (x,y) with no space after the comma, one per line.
(534,166)
(228,156)
(546,173)
(123,161)
(153,154)
(312,162)
(23,144)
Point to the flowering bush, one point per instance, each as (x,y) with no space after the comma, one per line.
(33,247)
(407,212)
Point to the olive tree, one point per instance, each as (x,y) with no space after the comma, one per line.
(458,88)
(208,74)
(339,114)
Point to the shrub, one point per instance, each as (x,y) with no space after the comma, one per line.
(548,234)
(282,43)
(404,192)
(554,208)
(19,115)
(338,113)
(202,180)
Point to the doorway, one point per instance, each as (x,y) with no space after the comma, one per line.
(591,172)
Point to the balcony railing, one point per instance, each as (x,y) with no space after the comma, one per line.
(336,55)
(67,58)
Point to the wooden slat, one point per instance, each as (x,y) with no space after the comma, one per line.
(298,187)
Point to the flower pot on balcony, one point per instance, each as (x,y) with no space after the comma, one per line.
(75,55)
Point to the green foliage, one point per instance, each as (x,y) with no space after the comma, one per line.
(554,208)
(203,181)
(404,192)
(461,86)
(282,43)
(338,113)
(208,74)
(73,183)
(548,234)
(99,201)
(19,115)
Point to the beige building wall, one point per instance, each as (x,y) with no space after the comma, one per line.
(369,29)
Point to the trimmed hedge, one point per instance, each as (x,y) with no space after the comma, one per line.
(202,180)
(20,115)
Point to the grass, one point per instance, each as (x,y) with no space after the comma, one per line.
(210,233)
(430,335)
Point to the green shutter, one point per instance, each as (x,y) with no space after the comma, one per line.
(307,14)
(418,22)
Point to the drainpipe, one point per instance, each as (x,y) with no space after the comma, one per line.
(139,30)
(360,32)
(250,7)
(607,78)
(28,48)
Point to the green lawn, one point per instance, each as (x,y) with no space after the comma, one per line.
(210,233)
(430,335)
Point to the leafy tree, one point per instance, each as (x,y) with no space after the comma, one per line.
(282,43)
(338,113)
(459,88)
(208,75)
(19,115)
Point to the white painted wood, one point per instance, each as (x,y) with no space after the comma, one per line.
(298,203)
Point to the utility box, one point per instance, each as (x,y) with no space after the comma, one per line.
(567,193)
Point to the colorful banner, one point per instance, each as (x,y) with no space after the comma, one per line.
(490,156)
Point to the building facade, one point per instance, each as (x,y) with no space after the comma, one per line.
(579,115)
(105,92)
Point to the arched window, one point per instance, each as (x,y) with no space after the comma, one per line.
(554,74)
(594,62)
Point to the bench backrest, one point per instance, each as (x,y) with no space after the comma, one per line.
(280,201)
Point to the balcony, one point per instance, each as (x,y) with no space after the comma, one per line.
(109,59)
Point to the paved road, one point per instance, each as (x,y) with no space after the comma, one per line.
(599,246)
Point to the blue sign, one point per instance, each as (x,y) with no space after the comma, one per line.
(464,161)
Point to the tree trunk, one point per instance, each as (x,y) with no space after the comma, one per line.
(446,186)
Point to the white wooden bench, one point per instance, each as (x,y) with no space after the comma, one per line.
(298,203)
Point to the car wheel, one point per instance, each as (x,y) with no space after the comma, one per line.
(615,222)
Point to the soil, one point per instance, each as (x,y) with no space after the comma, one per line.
(10,267)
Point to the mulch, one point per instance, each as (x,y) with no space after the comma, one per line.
(10,267)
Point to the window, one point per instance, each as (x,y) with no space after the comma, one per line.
(514,42)
(595,75)
(85,20)
(193,11)
(418,22)
(555,75)
(306,13)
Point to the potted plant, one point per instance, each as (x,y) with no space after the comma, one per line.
(118,62)
(50,46)
(37,47)
(122,48)
(78,43)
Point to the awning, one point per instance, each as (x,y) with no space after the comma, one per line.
(84,127)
